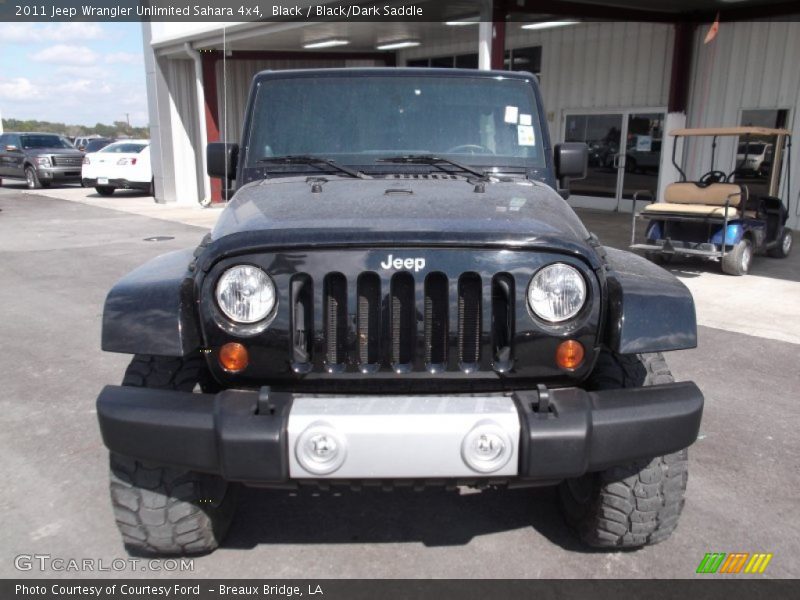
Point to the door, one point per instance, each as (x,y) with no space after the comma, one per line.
(616,170)
(3,154)
(12,160)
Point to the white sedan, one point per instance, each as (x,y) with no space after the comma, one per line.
(121,165)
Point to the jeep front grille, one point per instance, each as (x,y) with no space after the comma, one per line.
(403,322)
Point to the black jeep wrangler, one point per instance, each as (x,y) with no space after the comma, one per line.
(397,294)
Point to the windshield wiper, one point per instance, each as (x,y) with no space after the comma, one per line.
(303,159)
(436,161)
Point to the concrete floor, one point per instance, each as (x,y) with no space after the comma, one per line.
(59,258)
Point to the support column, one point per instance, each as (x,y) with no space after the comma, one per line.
(498,36)
(484,44)
(491,35)
(679,84)
(211,113)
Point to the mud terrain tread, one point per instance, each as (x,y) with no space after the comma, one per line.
(639,503)
(163,510)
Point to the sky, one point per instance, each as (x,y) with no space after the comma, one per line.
(72,72)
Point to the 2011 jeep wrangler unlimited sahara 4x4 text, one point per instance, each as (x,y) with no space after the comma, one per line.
(397,293)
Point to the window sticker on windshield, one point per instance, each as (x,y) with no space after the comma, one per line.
(511,114)
(524,119)
(525,136)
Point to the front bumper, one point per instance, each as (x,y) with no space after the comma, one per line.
(258,437)
(69,174)
(116,183)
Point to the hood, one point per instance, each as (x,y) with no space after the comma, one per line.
(402,210)
(40,151)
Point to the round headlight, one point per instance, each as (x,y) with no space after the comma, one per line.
(245,294)
(557,292)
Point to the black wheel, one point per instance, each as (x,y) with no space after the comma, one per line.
(163,510)
(739,259)
(45,184)
(32,179)
(151,190)
(784,246)
(104,190)
(632,505)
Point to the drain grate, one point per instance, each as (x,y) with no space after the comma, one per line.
(159,238)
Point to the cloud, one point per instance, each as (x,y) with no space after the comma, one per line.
(18,88)
(128,58)
(31,33)
(90,71)
(83,86)
(63,54)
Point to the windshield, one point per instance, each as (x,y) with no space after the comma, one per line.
(95,145)
(357,120)
(752,149)
(126,148)
(44,141)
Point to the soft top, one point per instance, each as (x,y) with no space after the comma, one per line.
(723,131)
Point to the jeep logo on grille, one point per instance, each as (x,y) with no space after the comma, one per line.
(417,264)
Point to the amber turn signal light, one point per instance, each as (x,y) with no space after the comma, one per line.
(233,357)
(569,354)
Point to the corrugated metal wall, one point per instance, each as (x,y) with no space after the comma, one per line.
(238,76)
(590,66)
(750,65)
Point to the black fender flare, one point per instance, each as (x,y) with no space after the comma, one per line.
(151,309)
(649,309)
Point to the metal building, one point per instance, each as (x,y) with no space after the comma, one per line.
(619,84)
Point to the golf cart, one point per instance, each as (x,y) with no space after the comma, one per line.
(718,217)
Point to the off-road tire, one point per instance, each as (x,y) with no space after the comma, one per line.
(635,504)
(32,179)
(739,259)
(784,247)
(104,190)
(164,510)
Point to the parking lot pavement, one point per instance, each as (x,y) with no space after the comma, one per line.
(129,201)
(57,261)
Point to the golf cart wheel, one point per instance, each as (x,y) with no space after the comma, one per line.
(738,260)
(32,179)
(635,504)
(784,246)
(163,510)
(104,190)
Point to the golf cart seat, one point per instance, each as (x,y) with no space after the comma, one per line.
(689,198)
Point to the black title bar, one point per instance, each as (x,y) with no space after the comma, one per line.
(377,10)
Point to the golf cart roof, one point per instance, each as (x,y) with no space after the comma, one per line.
(721,131)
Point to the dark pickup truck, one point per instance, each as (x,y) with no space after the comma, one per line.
(39,158)
(397,295)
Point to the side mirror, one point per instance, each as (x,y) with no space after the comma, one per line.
(571,159)
(11,148)
(221,159)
